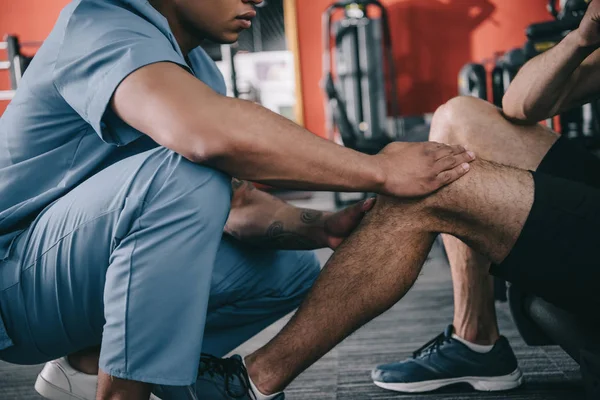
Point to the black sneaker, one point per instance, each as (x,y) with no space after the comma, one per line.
(445,361)
(218,379)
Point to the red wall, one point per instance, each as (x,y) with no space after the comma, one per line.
(31,20)
(432,39)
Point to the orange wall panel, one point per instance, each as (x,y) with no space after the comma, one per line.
(31,20)
(433,39)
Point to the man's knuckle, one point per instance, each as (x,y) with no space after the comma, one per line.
(445,176)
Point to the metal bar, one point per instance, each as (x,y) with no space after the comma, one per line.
(18,71)
(4,65)
(7,95)
(31,44)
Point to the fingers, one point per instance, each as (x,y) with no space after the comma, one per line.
(454,160)
(342,223)
(443,151)
(368,204)
(448,176)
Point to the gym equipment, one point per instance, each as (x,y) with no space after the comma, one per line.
(568,9)
(16,63)
(353,80)
(542,324)
(504,72)
(543,36)
(472,81)
(473,77)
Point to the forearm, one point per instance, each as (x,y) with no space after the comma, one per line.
(263,220)
(261,146)
(542,86)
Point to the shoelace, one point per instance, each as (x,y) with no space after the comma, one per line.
(432,346)
(227,368)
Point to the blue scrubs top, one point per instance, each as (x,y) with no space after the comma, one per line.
(58,131)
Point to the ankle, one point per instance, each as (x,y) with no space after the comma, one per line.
(85,361)
(484,337)
(264,381)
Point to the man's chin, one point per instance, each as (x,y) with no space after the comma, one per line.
(228,38)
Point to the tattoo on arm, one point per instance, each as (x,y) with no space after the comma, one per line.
(278,237)
(310,216)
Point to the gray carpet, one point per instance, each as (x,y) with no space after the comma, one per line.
(344,373)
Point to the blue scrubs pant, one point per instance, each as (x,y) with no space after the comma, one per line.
(134,259)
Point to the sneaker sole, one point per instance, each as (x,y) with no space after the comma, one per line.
(479,383)
(52,392)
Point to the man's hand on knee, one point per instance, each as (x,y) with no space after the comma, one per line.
(418,169)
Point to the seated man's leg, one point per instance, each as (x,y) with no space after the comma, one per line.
(480,127)
(474,349)
(125,259)
(488,210)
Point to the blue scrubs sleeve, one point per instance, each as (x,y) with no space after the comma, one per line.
(104,43)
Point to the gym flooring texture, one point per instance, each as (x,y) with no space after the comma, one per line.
(344,372)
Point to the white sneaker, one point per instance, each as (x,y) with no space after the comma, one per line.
(59,381)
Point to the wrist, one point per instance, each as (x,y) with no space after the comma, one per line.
(378,176)
(580,44)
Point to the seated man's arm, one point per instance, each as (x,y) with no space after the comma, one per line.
(263,220)
(564,77)
(248,141)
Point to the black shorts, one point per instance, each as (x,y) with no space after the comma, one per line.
(557,255)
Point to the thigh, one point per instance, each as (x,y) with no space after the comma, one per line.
(54,297)
(251,288)
(481,127)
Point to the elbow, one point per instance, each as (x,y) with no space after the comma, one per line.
(204,151)
(517,108)
(199,148)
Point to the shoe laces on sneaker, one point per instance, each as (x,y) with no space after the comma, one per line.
(228,369)
(434,344)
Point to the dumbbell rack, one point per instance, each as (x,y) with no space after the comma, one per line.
(5,65)
(15,63)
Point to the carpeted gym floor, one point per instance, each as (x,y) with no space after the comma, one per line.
(343,374)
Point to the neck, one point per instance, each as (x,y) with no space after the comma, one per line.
(186,41)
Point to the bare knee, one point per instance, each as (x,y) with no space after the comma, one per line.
(486,209)
(453,122)
(446,206)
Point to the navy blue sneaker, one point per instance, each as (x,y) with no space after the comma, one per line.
(445,361)
(218,379)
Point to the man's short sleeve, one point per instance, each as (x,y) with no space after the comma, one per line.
(103,43)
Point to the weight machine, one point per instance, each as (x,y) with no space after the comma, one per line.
(16,63)
(353,79)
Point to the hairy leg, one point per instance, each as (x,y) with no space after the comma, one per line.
(480,127)
(486,209)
